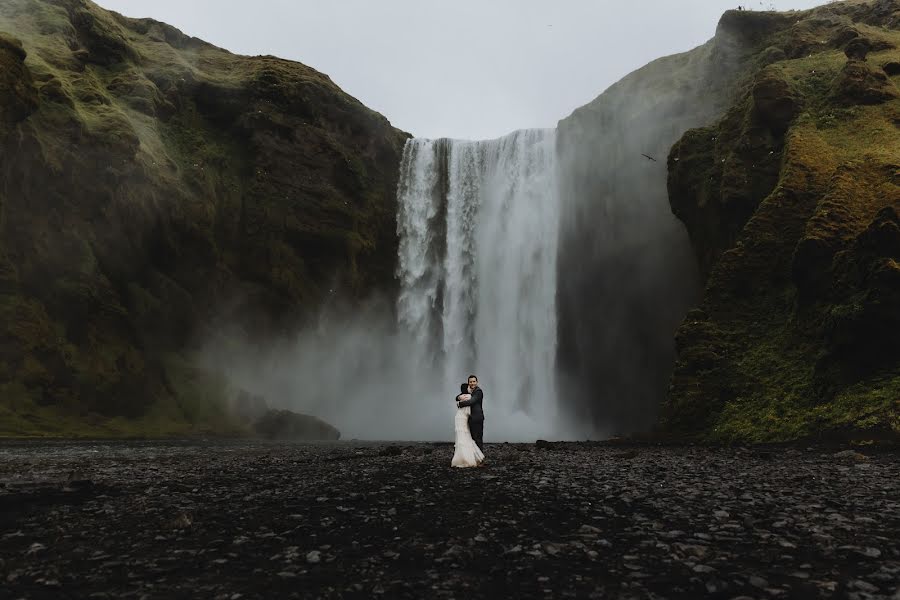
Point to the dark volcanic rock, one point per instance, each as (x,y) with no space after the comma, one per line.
(844,35)
(288,425)
(349,520)
(858,48)
(858,83)
(774,101)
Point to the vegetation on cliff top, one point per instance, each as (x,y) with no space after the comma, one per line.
(792,203)
(153,185)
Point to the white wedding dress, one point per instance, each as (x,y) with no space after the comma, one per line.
(467,452)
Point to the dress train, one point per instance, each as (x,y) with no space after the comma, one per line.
(466,453)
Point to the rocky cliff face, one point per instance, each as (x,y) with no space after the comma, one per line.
(783,174)
(151,186)
(626,272)
(792,204)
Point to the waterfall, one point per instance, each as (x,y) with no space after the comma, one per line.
(478,225)
(478,228)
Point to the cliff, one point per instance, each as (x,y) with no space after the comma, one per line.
(753,180)
(792,204)
(733,211)
(153,186)
(626,273)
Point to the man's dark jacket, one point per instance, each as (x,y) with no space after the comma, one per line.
(477,413)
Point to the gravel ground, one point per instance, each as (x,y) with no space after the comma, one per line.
(255,520)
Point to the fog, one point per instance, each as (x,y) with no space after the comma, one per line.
(360,372)
(353,368)
(477,272)
(628,274)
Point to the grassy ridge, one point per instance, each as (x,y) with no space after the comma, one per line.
(154,186)
(792,202)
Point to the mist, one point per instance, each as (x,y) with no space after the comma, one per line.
(361,372)
(354,368)
(628,274)
(477,273)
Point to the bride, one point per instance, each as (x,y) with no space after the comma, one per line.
(467,452)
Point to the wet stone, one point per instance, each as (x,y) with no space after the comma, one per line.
(240,520)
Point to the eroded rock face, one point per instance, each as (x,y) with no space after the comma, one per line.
(858,83)
(739,97)
(861,329)
(18,96)
(774,101)
(844,35)
(714,184)
(796,332)
(858,48)
(158,187)
(626,276)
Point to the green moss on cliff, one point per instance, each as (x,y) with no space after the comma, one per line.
(796,336)
(157,184)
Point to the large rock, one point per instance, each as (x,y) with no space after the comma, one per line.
(287,425)
(775,102)
(859,83)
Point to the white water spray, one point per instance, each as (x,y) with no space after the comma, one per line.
(478,226)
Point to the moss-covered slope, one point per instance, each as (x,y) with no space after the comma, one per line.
(792,204)
(152,185)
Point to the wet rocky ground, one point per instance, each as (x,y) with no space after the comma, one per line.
(360,520)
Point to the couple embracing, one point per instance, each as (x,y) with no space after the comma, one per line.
(469,422)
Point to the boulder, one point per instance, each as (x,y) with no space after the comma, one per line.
(858,48)
(774,101)
(858,83)
(844,35)
(288,425)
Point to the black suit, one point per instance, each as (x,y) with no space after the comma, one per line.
(476,417)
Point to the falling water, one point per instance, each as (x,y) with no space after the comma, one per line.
(478,226)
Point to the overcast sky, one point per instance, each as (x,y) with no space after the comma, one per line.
(470,69)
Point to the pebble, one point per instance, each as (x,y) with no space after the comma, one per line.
(364,520)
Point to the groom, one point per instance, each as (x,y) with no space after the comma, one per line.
(476,417)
